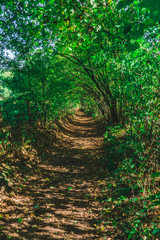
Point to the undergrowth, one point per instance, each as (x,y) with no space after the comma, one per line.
(130,196)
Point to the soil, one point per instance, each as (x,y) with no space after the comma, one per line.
(59,198)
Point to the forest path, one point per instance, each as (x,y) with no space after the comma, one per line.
(59,200)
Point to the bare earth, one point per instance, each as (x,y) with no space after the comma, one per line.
(59,199)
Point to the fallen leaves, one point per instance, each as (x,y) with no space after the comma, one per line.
(59,189)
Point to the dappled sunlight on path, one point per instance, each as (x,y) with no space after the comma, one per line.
(59,200)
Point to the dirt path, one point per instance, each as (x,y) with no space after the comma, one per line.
(59,200)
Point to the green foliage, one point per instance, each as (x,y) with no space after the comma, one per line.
(39,90)
(96,40)
(153,6)
(131,183)
(104,57)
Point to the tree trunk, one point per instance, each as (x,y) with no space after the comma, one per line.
(114,113)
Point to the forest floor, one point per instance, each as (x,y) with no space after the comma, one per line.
(56,183)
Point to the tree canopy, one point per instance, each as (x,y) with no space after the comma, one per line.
(99,45)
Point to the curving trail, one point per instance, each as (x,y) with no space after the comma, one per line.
(59,200)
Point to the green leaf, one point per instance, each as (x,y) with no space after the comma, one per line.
(157,174)
(9,237)
(36,206)
(130,236)
(20,220)
(34,226)
(155,231)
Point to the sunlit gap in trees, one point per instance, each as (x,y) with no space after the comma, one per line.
(9,54)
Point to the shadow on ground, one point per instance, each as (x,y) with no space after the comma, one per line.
(57,200)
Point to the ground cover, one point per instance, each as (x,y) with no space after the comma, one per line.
(69,182)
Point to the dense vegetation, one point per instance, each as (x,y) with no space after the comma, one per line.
(103,57)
